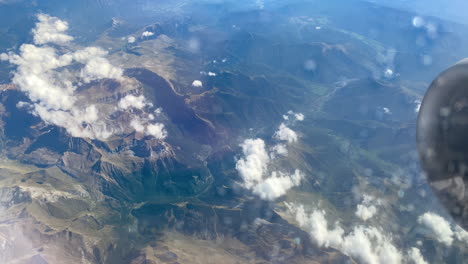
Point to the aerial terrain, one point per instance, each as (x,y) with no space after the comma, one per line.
(219,132)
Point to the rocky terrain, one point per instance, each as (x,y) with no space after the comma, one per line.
(177,196)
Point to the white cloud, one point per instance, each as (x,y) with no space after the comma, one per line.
(100,68)
(253,170)
(158,111)
(147,34)
(156,130)
(22,104)
(44,74)
(366,244)
(4,57)
(131,101)
(84,55)
(253,166)
(279,149)
(442,230)
(316,224)
(131,39)
(35,75)
(299,116)
(370,245)
(277,184)
(50,30)
(415,257)
(211,74)
(78,122)
(257,170)
(417,106)
(388,73)
(197,83)
(284,133)
(461,234)
(368,208)
(137,125)
(365,212)
(439,227)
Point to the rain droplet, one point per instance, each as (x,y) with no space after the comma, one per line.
(310,65)
(418,22)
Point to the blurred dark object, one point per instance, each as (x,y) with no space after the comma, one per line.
(442,137)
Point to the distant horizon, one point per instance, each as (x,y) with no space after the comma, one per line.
(453,11)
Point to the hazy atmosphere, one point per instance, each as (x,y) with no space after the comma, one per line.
(212,131)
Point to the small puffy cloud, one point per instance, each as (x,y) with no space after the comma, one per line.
(368,208)
(211,74)
(131,39)
(158,111)
(284,133)
(4,57)
(365,212)
(137,125)
(147,34)
(253,168)
(100,68)
(197,83)
(296,116)
(156,130)
(86,54)
(388,73)
(50,30)
(131,101)
(280,149)
(299,116)
(277,184)
(415,256)
(439,227)
(316,224)
(22,104)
